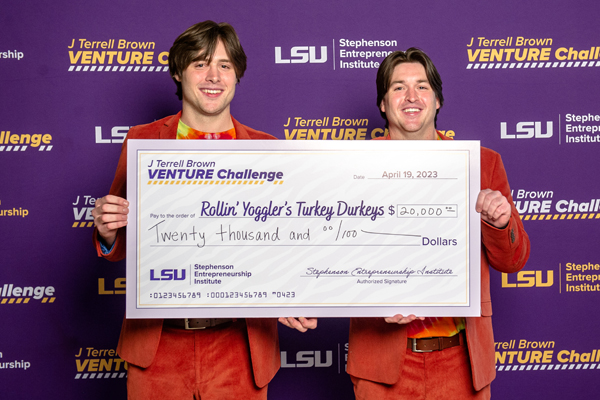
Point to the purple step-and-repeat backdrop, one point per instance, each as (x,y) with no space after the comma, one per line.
(521,77)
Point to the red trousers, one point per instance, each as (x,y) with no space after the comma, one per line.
(206,364)
(438,375)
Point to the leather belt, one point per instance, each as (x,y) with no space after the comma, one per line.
(426,345)
(197,323)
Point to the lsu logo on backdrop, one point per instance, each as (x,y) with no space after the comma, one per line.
(528,279)
(579,128)
(82,211)
(351,53)
(116,134)
(301,55)
(24,141)
(108,288)
(13,294)
(92,363)
(527,130)
(521,52)
(307,359)
(111,55)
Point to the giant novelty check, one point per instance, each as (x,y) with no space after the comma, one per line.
(302,228)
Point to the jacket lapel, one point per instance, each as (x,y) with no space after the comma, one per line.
(169,129)
(240,130)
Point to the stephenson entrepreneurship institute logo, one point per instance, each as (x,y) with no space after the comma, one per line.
(576,128)
(345,53)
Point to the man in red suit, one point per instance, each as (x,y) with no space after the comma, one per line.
(216,358)
(405,357)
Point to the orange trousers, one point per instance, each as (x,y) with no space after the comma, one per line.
(206,364)
(438,375)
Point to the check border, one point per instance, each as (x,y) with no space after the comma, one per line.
(471,307)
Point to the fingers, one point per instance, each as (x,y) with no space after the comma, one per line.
(400,319)
(110,214)
(291,322)
(112,199)
(494,208)
(301,324)
(309,323)
(111,204)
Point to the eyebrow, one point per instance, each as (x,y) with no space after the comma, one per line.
(402,81)
(204,58)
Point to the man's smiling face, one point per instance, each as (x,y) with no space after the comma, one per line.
(207,89)
(410,104)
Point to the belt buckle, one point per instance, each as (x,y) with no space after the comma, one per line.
(186,325)
(414,347)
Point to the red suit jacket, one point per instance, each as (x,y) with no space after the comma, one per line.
(376,349)
(139,337)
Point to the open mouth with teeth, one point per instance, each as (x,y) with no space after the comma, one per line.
(411,110)
(211,91)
